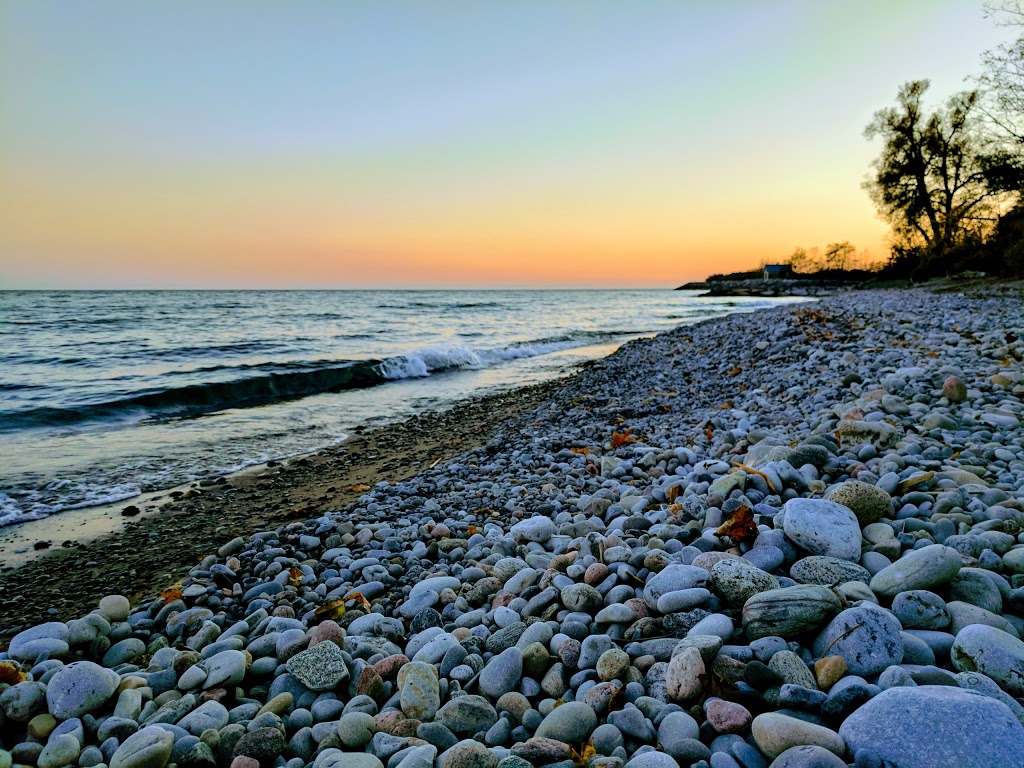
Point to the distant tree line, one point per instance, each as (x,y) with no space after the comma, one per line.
(948,179)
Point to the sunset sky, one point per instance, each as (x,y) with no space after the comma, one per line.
(549,143)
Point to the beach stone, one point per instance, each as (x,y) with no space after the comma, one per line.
(828,671)
(736,580)
(263,744)
(674,602)
(320,668)
(502,673)
(80,688)
(867,637)
(954,389)
(469,754)
(682,677)
(612,665)
(652,760)
(869,503)
(827,571)
(727,716)
(581,597)
(355,729)
(50,638)
(994,653)
(149,747)
(674,578)
(920,609)
(791,669)
(923,568)
(115,607)
(60,751)
(571,723)
(539,529)
(419,691)
(807,756)
(935,726)
(23,701)
(774,733)
(822,528)
(467,714)
(789,612)
(210,714)
(225,668)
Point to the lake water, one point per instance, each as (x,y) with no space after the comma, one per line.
(107,394)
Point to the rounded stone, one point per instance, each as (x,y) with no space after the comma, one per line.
(867,637)
(827,571)
(502,673)
(790,611)
(997,654)
(572,723)
(774,733)
(80,688)
(868,502)
(737,580)
(115,607)
(148,748)
(355,729)
(935,725)
(923,568)
(807,756)
(822,527)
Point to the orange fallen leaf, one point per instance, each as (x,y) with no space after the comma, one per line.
(622,438)
(170,594)
(358,596)
(294,575)
(709,432)
(735,371)
(672,494)
(580,451)
(471,530)
(740,526)
(11,674)
(359,488)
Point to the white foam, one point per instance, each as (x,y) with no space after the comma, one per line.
(437,359)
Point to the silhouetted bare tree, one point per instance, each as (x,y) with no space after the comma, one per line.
(931,181)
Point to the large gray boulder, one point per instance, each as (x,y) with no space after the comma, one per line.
(936,726)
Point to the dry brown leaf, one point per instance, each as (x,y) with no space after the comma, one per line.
(359,488)
(358,596)
(911,482)
(673,493)
(740,526)
(709,431)
(171,594)
(622,438)
(580,451)
(471,530)
(294,575)
(735,371)
(11,674)
(753,471)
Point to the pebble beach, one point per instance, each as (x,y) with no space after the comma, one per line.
(786,538)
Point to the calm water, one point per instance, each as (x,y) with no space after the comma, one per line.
(104,395)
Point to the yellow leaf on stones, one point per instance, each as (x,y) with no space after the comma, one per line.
(910,482)
(359,488)
(672,494)
(332,610)
(358,596)
(471,530)
(294,576)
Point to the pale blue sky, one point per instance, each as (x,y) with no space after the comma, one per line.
(205,143)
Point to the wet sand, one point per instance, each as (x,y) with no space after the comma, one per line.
(97,551)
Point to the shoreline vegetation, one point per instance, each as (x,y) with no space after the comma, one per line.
(812,509)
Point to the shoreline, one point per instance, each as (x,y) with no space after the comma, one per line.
(112,553)
(791,527)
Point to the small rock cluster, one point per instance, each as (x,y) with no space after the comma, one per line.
(791,539)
